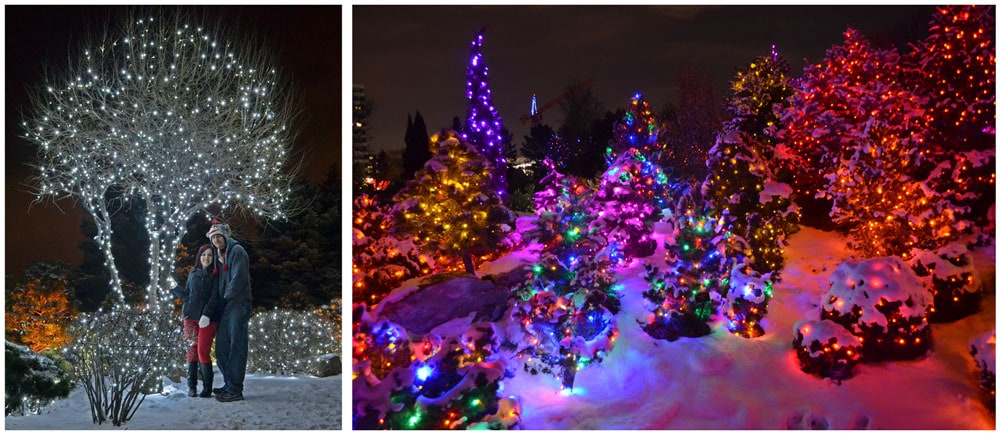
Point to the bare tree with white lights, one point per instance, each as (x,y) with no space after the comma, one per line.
(168,114)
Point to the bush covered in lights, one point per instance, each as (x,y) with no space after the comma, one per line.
(983,349)
(746,302)
(826,349)
(120,356)
(950,276)
(884,304)
(288,342)
(561,337)
(31,380)
(452,383)
(380,261)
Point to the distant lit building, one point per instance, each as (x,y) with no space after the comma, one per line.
(362,158)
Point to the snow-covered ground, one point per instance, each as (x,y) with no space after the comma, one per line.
(272,403)
(722,381)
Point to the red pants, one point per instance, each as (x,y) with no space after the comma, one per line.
(201,341)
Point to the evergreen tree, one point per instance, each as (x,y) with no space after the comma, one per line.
(697,271)
(691,134)
(638,129)
(856,86)
(741,185)
(450,205)
(483,124)
(417,150)
(889,213)
(38,308)
(381,261)
(954,67)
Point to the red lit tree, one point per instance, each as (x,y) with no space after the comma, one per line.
(954,67)
(836,101)
(38,309)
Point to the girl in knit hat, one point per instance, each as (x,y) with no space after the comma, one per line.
(202,310)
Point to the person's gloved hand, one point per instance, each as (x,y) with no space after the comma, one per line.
(203,323)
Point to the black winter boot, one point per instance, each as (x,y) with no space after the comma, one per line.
(207,376)
(192,379)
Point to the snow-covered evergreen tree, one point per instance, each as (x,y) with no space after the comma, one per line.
(451,205)
(483,124)
(381,261)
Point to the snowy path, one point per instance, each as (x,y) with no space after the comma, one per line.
(272,403)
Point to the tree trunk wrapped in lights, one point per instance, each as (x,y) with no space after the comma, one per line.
(983,349)
(950,276)
(749,294)
(453,386)
(451,204)
(176,116)
(884,304)
(826,349)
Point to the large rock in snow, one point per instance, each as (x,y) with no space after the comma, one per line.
(439,298)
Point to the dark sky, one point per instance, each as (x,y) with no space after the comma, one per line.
(307,40)
(413,57)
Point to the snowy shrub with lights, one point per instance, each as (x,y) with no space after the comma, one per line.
(379,347)
(826,349)
(633,192)
(451,384)
(950,277)
(746,302)
(695,282)
(288,342)
(120,356)
(884,304)
(983,349)
(381,261)
(560,338)
(32,380)
(450,206)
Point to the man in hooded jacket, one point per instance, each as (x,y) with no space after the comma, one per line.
(232,340)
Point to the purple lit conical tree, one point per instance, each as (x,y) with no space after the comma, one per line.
(482,121)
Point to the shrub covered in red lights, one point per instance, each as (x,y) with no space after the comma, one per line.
(949,275)
(883,303)
(826,349)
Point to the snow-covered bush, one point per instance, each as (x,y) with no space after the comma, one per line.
(31,380)
(950,276)
(826,349)
(289,342)
(560,337)
(120,356)
(884,304)
(379,347)
(454,384)
(983,348)
(677,311)
(380,261)
(747,301)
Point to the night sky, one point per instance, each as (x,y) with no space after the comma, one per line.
(413,58)
(307,40)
